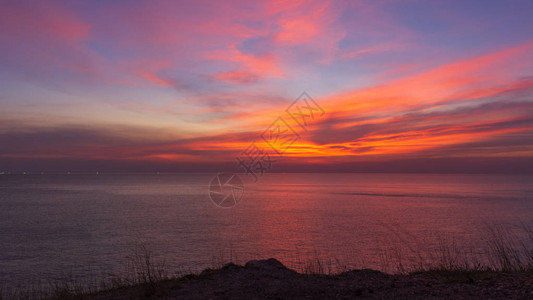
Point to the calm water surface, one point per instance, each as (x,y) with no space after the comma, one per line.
(83,226)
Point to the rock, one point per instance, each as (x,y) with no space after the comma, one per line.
(230,266)
(266,264)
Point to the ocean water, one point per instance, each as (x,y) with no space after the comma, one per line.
(86,226)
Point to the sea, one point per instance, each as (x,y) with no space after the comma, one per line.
(89,227)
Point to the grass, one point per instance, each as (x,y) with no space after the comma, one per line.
(510,253)
(142,272)
(504,250)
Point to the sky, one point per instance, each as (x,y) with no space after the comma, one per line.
(146,86)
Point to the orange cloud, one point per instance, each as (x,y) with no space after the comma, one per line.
(459,81)
(431,92)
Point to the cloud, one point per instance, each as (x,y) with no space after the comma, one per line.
(427,132)
(43,41)
(225,70)
(239,77)
(117,143)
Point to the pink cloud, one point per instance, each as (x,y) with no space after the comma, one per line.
(240,77)
(22,21)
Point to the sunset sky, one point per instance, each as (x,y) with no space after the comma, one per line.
(406,86)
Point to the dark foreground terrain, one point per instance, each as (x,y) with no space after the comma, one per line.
(269,279)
